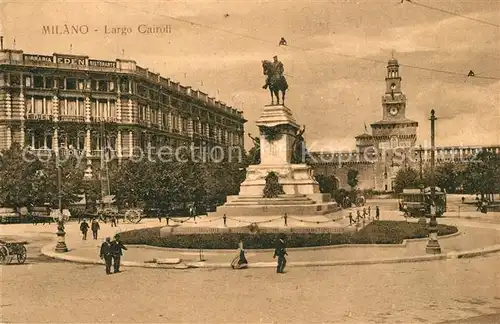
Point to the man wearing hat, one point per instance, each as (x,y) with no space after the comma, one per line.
(106,254)
(278,69)
(116,251)
(280,252)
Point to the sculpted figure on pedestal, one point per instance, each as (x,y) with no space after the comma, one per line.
(275,79)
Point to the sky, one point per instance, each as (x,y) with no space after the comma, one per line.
(335,64)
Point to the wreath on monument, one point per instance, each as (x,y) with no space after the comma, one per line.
(273,188)
(271,133)
(254,229)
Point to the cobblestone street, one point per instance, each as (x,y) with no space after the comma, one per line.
(46,291)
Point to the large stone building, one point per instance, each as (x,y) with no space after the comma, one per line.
(390,146)
(71,101)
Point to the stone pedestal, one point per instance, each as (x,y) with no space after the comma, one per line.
(302,197)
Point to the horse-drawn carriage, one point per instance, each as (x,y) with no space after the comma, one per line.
(10,249)
(107,210)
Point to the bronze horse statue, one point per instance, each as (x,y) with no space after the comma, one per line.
(276,82)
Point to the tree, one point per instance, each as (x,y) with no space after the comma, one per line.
(406,178)
(19,173)
(352,178)
(448,177)
(72,181)
(482,175)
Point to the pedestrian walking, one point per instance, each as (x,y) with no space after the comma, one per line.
(113,221)
(358,215)
(116,251)
(369,211)
(365,213)
(106,254)
(377,213)
(84,228)
(240,261)
(351,220)
(280,252)
(95,228)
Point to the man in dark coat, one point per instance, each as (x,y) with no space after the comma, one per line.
(116,249)
(95,228)
(377,213)
(84,228)
(106,254)
(280,252)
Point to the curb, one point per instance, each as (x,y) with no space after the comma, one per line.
(48,250)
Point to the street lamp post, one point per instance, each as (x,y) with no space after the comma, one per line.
(61,234)
(433,244)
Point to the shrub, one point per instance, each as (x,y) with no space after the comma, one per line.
(378,232)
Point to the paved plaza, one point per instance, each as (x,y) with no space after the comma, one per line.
(452,291)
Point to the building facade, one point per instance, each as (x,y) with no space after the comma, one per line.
(390,146)
(74,102)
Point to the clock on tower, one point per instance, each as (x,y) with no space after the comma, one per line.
(393,110)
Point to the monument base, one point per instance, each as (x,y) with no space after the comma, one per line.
(259,224)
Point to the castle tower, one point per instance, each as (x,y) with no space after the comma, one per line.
(394,134)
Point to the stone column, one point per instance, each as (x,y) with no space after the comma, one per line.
(87,109)
(55,140)
(170,121)
(131,143)
(87,143)
(9,137)
(190,129)
(118,108)
(55,108)
(8,105)
(130,111)
(119,146)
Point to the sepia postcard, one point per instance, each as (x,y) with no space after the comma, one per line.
(250,161)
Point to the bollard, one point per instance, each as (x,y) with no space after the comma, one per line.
(224,217)
(286,219)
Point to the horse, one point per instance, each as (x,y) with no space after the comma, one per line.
(276,82)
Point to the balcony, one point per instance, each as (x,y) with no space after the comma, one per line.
(95,119)
(73,119)
(38,117)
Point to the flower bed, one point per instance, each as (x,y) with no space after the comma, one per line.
(377,232)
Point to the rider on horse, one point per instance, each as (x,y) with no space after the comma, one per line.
(277,69)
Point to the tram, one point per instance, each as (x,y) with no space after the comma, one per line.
(417,202)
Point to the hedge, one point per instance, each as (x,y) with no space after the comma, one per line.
(377,232)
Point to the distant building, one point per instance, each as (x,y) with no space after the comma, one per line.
(71,101)
(391,145)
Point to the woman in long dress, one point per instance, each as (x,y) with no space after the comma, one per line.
(240,261)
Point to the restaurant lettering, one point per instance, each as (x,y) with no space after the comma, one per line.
(102,64)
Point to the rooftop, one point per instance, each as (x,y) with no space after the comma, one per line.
(84,63)
(394,122)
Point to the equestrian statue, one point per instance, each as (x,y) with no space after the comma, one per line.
(275,79)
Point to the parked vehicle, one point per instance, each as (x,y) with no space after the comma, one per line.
(417,202)
(10,249)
